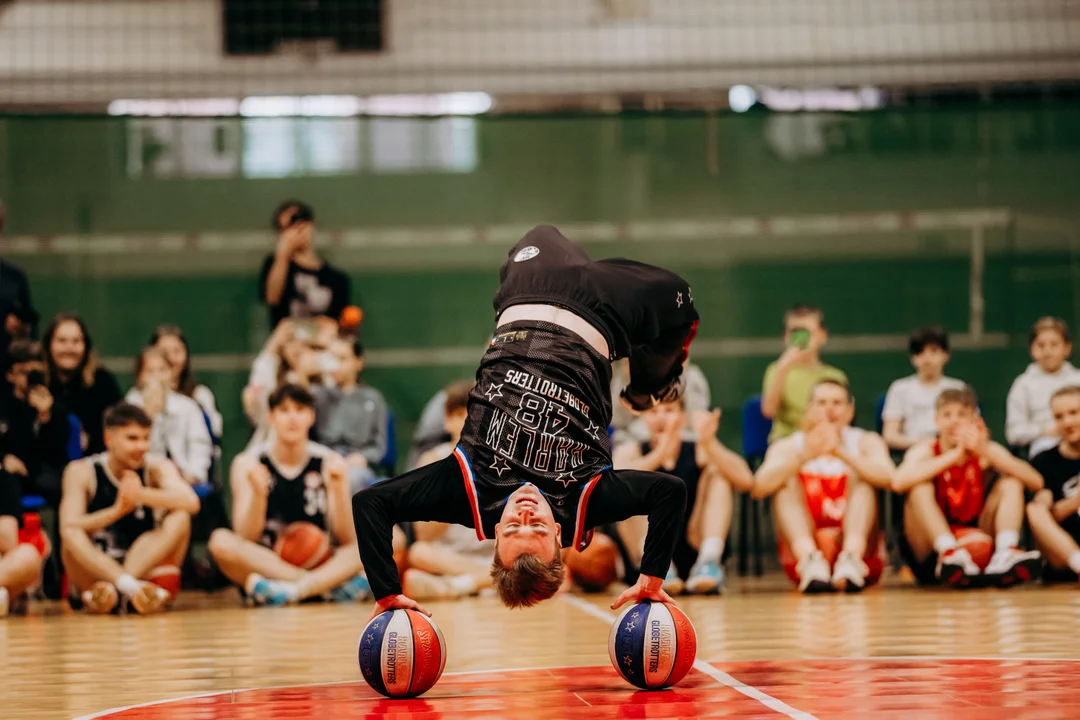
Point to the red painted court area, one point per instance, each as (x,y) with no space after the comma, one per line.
(923,688)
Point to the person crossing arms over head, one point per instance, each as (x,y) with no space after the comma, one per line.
(710,471)
(1028,421)
(290,480)
(124,514)
(908,415)
(962,479)
(1054,514)
(788,381)
(824,478)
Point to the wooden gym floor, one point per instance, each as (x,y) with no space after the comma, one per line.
(764,651)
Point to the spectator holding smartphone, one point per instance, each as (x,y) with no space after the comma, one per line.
(295,282)
(790,380)
(34,426)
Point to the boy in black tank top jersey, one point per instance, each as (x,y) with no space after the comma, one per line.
(125,516)
(1054,514)
(709,470)
(290,480)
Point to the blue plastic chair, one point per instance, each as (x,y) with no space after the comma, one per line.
(203,490)
(879,409)
(74,446)
(755,430)
(33,503)
(389,460)
(755,442)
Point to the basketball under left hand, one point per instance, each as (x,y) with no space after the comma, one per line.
(395,602)
(647,587)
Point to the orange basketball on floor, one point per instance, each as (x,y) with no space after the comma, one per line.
(978,544)
(167,577)
(830,541)
(304,545)
(595,567)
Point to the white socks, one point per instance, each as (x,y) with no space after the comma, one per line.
(712,549)
(944,542)
(1006,539)
(1074,562)
(127,585)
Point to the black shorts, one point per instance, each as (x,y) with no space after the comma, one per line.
(925,570)
(11,496)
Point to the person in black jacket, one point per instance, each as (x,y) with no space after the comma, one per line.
(74,377)
(18,319)
(34,426)
(34,432)
(533,467)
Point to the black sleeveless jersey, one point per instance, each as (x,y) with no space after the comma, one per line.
(115,539)
(539,413)
(295,496)
(686,469)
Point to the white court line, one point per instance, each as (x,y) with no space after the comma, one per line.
(721,677)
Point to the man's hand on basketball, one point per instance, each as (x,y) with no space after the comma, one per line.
(259,478)
(396,602)
(647,587)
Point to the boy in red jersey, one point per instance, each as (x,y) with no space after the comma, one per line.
(823,479)
(963,479)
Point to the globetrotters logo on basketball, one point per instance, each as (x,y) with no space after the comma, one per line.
(659,643)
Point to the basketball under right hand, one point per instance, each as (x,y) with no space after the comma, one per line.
(396,602)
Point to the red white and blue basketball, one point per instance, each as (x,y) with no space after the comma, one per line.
(652,645)
(402,653)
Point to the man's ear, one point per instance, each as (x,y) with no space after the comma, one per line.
(558,534)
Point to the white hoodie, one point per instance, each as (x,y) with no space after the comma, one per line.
(1027,409)
(180,434)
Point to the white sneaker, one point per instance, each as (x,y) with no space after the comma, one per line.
(814,574)
(849,573)
(673,584)
(955,567)
(1012,566)
(420,585)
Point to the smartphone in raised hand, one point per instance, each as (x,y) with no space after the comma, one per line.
(800,338)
